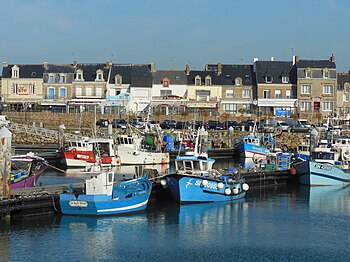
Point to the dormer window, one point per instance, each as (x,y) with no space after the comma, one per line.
(268,79)
(307,73)
(15,72)
(62,79)
(99,75)
(166,82)
(118,80)
(208,81)
(51,78)
(80,75)
(285,79)
(197,81)
(238,81)
(325,73)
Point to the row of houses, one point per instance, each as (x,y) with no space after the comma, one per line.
(310,88)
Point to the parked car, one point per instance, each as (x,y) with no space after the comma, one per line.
(231,123)
(135,122)
(299,129)
(168,124)
(214,125)
(248,124)
(265,128)
(119,123)
(153,124)
(182,125)
(196,124)
(283,126)
(102,122)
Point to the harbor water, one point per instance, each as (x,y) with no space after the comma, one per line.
(281,224)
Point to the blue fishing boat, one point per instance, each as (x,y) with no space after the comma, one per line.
(320,174)
(195,180)
(104,196)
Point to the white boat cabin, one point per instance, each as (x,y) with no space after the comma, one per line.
(99,182)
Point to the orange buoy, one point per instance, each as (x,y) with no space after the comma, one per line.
(293,171)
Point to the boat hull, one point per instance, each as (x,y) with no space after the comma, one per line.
(129,157)
(321,174)
(190,189)
(28,182)
(101,205)
(253,151)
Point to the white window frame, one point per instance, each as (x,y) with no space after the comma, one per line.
(63,79)
(307,73)
(267,91)
(288,94)
(78,91)
(305,106)
(328,89)
(268,79)
(278,94)
(285,79)
(246,93)
(197,81)
(32,88)
(325,74)
(305,89)
(327,106)
(65,92)
(118,80)
(230,94)
(208,81)
(88,91)
(51,78)
(98,91)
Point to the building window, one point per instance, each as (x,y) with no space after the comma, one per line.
(88,91)
(15,72)
(245,93)
(165,92)
(197,81)
(208,81)
(80,76)
(51,93)
(238,81)
(118,80)
(202,95)
(14,88)
(325,73)
(347,88)
(347,98)
(166,82)
(266,93)
(327,89)
(327,106)
(246,108)
(62,92)
(99,91)
(308,73)
(51,78)
(347,110)
(305,106)
(229,108)
(268,79)
(278,94)
(78,91)
(31,88)
(306,89)
(63,79)
(229,94)
(288,94)
(285,79)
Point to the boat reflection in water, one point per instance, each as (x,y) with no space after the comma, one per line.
(328,199)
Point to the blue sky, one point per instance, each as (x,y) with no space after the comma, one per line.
(172,33)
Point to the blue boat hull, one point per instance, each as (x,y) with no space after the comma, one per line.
(190,189)
(321,174)
(128,197)
(250,151)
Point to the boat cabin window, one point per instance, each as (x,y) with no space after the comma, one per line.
(188,165)
(196,165)
(110,177)
(323,155)
(19,166)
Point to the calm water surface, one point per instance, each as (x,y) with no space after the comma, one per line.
(285,224)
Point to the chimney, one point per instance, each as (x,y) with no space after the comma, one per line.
(75,63)
(45,64)
(153,67)
(219,68)
(4,64)
(109,64)
(255,59)
(187,70)
(332,58)
(295,59)
(272,58)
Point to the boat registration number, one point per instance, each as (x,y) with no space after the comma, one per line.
(323,167)
(209,185)
(75,203)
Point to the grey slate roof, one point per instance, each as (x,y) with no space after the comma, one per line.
(177,77)
(230,72)
(52,68)
(25,71)
(89,71)
(203,74)
(123,70)
(136,75)
(343,78)
(275,69)
(315,64)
